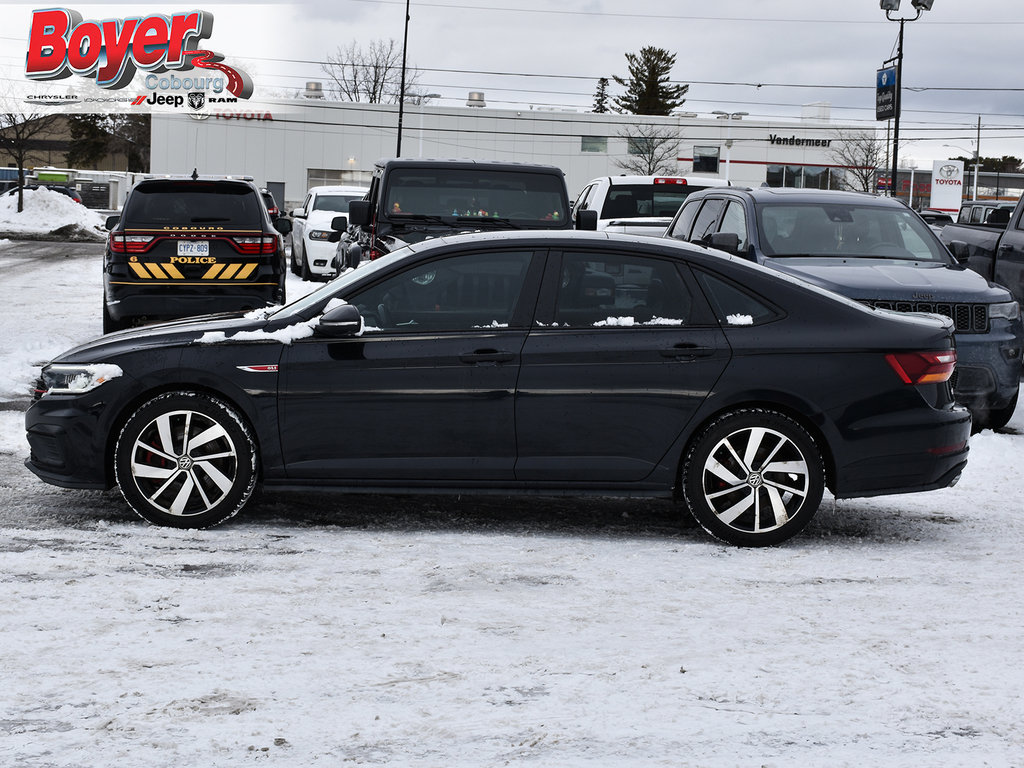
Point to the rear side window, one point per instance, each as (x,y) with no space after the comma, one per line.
(193,203)
(734,306)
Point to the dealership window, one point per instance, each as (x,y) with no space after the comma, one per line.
(705,159)
(804,177)
(594,144)
(641,145)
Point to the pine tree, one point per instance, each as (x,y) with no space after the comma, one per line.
(648,91)
(601,96)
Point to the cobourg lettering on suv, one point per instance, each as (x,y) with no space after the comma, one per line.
(876,251)
(411,200)
(191,246)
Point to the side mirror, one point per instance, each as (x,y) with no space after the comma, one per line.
(299,213)
(341,322)
(960,250)
(339,223)
(725,241)
(586,220)
(283,226)
(359,212)
(112,222)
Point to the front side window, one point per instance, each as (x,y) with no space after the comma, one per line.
(734,221)
(620,290)
(681,226)
(458,293)
(704,227)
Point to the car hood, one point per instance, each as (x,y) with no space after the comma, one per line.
(892,280)
(321,219)
(162,335)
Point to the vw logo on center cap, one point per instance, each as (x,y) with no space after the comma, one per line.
(185,462)
(754,480)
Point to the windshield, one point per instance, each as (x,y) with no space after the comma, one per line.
(847,231)
(176,203)
(525,196)
(632,200)
(336,203)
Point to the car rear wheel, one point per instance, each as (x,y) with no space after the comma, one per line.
(110,324)
(753,477)
(186,460)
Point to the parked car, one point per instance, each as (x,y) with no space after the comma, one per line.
(191,246)
(981,212)
(411,200)
(638,205)
(312,245)
(63,189)
(994,249)
(519,363)
(879,252)
(268,199)
(935,218)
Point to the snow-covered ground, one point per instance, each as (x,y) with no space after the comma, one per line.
(45,211)
(332,630)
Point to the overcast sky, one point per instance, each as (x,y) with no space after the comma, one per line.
(765,57)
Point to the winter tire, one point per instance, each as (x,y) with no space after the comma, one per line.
(186,460)
(304,271)
(753,478)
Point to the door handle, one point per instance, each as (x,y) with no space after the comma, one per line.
(688,350)
(493,356)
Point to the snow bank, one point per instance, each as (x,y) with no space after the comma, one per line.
(47,212)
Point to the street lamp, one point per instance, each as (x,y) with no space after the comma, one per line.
(728,117)
(890,6)
(975,165)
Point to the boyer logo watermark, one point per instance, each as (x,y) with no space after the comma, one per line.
(111,51)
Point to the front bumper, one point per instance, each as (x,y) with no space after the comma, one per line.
(988,369)
(67,437)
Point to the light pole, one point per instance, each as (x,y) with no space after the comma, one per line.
(889,6)
(728,117)
(401,91)
(975,165)
(419,102)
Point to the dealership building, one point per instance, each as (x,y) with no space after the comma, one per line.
(291,145)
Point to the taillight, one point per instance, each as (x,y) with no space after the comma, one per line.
(122,243)
(667,180)
(923,367)
(254,245)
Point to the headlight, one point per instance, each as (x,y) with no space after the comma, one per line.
(319,234)
(1009,310)
(68,378)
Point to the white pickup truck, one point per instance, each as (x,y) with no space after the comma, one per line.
(638,205)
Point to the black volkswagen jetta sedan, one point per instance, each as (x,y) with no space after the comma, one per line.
(543,363)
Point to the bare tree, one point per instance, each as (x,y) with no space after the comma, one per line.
(20,133)
(651,150)
(861,154)
(373,74)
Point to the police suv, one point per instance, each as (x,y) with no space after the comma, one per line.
(191,246)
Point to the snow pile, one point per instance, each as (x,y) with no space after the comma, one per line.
(50,213)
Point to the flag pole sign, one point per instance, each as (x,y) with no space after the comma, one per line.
(947,185)
(885,93)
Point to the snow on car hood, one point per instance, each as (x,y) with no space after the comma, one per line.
(877,279)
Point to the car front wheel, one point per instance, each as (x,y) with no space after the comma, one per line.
(753,477)
(186,460)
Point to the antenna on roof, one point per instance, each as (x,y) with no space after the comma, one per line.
(195,174)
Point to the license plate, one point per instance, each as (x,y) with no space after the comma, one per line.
(193,247)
